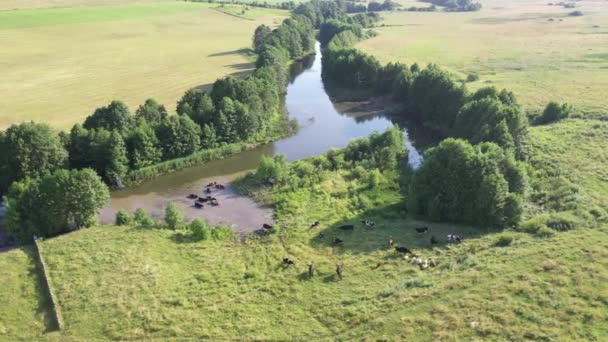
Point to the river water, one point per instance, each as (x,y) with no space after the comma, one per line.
(323,125)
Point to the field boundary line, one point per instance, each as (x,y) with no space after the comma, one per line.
(55,309)
(231,14)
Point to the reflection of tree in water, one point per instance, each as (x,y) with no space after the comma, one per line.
(300,66)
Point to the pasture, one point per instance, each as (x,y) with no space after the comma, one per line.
(527,46)
(135,283)
(59,64)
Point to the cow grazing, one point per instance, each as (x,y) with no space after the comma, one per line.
(288,261)
(390,243)
(339,270)
(422,229)
(311,270)
(368,223)
(454,238)
(337,241)
(198,205)
(220,186)
(315,224)
(403,250)
(207,191)
(267,226)
(192,196)
(347,227)
(201,200)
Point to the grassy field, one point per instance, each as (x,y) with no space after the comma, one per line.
(510,44)
(130,283)
(59,64)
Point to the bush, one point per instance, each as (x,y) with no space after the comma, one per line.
(173,216)
(554,112)
(123,218)
(221,232)
(504,240)
(575,13)
(472,77)
(200,230)
(142,219)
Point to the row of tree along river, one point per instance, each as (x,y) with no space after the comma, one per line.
(323,125)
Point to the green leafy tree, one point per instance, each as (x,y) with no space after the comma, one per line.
(555,112)
(200,230)
(143,147)
(123,218)
(115,116)
(29,150)
(179,136)
(173,216)
(259,37)
(151,112)
(71,200)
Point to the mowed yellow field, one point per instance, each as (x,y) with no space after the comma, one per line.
(536,50)
(59,64)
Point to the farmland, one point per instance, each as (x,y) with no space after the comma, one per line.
(62,63)
(536,50)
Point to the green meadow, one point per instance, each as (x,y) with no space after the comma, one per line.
(527,46)
(59,64)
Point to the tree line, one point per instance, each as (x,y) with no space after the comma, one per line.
(113,141)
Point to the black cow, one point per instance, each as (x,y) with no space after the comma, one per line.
(347,227)
(192,196)
(211,184)
(220,186)
(403,250)
(288,261)
(422,229)
(267,226)
(339,270)
(207,191)
(198,205)
(368,223)
(337,241)
(315,224)
(201,200)
(434,240)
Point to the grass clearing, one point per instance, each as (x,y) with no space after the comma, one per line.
(511,45)
(63,63)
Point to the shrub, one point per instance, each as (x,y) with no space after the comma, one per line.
(173,216)
(472,77)
(142,219)
(554,112)
(504,240)
(200,230)
(221,232)
(575,13)
(123,218)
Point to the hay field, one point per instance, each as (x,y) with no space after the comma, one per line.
(511,44)
(59,64)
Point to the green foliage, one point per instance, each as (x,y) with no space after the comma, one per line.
(173,216)
(458,182)
(504,240)
(151,112)
(143,147)
(200,230)
(142,219)
(29,150)
(554,112)
(273,169)
(123,218)
(259,37)
(221,233)
(115,116)
(178,136)
(56,203)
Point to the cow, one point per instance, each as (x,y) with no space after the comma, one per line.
(192,196)
(220,186)
(403,250)
(337,241)
(214,202)
(201,200)
(207,191)
(198,205)
(267,226)
(368,223)
(390,243)
(422,229)
(311,270)
(315,224)
(347,227)
(288,261)
(211,184)
(434,240)
(339,270)
(454,238)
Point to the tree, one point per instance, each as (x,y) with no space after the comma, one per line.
(29,150)
(143,219)
(179,136)
(173,216)
(123,218)
(55,203)
(143,147)
(151,111)
(115,116)
(259,37)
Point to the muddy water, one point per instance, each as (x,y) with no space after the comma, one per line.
(323,125)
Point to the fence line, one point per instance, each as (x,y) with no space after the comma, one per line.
(55,310)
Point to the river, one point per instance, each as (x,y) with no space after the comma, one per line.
(323,125)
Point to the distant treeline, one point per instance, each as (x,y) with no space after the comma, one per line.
(345,6)
(456,5)
(478,178)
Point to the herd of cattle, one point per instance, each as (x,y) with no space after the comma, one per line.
(200,201)
(408,254)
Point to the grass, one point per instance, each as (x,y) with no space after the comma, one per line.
(510,45)
(59,64)
(129,283)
